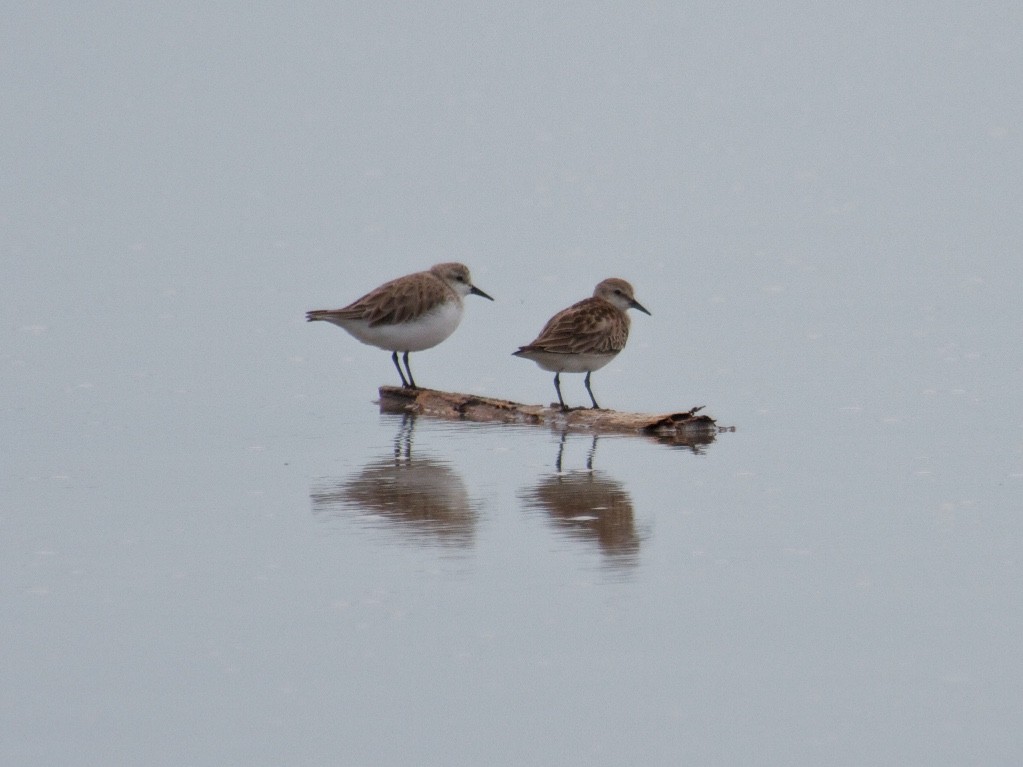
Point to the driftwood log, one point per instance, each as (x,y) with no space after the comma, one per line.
(682,428)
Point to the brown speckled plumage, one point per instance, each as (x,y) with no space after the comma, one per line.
(585,336)
(403,299)
(591,326)
(595,325)
(409,314)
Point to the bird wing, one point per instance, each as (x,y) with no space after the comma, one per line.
(397,301)
(592,326)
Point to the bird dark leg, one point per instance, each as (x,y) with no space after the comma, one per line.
(590,391)
(411,380)
(394,359)
(557,388)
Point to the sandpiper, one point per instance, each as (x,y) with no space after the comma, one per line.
(585,336)
(409,314)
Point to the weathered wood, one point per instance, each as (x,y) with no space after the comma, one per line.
(683,428)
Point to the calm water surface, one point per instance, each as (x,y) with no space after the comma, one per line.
(334,583)
(217,551)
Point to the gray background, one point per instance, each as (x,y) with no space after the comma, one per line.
(819,204)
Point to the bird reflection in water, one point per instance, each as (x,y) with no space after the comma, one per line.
(422,498)
(589,505)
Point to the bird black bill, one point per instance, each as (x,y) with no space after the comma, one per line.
(477,292)
(638,306)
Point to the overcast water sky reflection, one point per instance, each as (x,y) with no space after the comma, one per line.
(217,551)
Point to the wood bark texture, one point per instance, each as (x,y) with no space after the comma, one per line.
(687,427)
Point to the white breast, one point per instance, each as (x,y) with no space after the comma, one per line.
(568,363)
(422,333)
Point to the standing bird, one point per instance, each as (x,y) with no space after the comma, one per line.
(585,336)
(409,314)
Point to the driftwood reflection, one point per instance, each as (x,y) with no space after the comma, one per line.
(422,498)
(589,505)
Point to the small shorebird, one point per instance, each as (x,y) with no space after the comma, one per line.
(585,336)
(409,314)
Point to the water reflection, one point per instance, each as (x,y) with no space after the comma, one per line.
(695,442)
(588,505)
(421,497)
